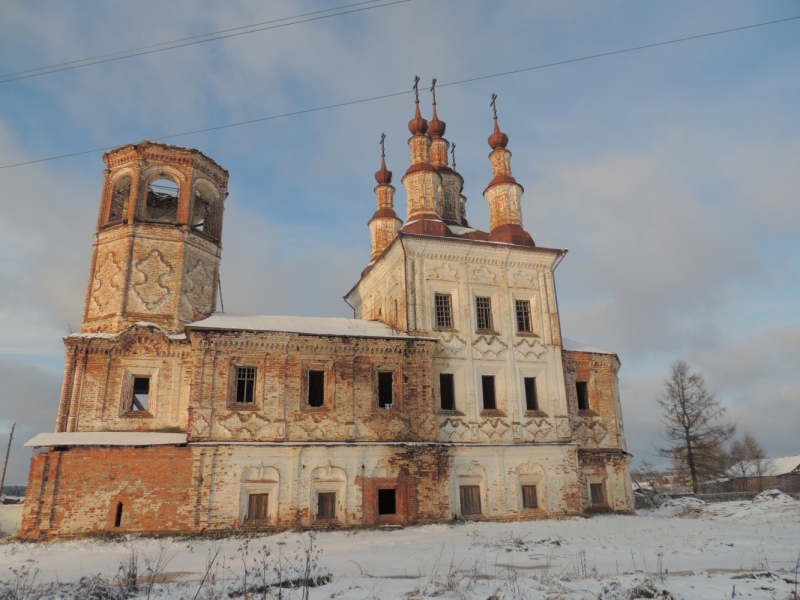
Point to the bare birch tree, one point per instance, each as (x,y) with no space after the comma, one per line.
(695,430)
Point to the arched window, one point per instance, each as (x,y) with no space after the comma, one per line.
(119,199)
(202,215)
(162,201)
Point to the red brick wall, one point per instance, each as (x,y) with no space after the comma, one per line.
(77,491)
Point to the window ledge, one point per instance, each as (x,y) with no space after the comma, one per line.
(529,334)
(445,330)
(487,332)
(450,413)
(535,413)
(588,413)
(492,412)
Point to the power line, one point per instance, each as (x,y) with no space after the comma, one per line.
(20,74)
(384,96)
(193,37)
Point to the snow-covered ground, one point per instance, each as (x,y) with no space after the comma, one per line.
(684,549)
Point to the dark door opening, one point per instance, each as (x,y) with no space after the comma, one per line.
(387,502)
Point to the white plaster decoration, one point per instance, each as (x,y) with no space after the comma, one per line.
(444,272)
(245,425)
(152,273)
(484,276)
(489,346)
(521,279)
(199,425)
(495,430)
(527,349)
(540,430)
(452,345)
(454,429)
(107,282)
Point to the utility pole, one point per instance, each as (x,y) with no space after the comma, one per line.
(5,463)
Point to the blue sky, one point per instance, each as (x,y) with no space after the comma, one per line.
(670,173)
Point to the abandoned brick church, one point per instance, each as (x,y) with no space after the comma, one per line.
(451,392)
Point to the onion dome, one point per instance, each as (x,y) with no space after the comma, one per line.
(384,176)
(498,139)
(437,127)
(418,125)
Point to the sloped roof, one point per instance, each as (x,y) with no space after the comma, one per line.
(574,346)
(107,438)
(769,466)
(306,325)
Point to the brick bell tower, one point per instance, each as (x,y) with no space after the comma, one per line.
(158,242)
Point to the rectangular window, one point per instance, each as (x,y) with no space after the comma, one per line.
(529,499)
(387,502)
(444,311)
(489,400)
(258,507)
(245,385)
(524,316)
(385,390)
(448,201)
(447,391)
(598,497)
(470,499)
(327,505)
(483,307)
(582,389)
(531,401)
(141,394)
(316,388)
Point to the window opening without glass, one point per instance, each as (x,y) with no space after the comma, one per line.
(258,507)
(596,489)
(118,516)
(489,399)
(531,401)
(524,316)
(529,499)
(470,499)
(245,385)
(582,389)
(444,311)
(327,505)
(316,388)
(484,309)
(141,394)
(447,391)
(162,201)
(385,381)
(119,199)
(387,502)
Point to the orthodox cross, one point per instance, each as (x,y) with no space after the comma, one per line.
(433,90)
(416,87)
(453,152)
(383,149)
(494,105)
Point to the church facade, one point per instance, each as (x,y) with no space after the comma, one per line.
(451,392)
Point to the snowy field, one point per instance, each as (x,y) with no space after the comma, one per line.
(684,549)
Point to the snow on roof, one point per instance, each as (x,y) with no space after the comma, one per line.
(307,325)
(581,347)
(458,230)
(769,466)
(111,336)
(106,438)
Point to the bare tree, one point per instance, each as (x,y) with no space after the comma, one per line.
(695,431)
(749,461)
